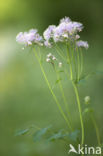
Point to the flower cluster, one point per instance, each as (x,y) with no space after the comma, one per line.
(66,31)
(28,38)
(51,58)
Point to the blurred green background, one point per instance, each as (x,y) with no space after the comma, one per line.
(24,97)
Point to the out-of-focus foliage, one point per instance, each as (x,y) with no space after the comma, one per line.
(24,97)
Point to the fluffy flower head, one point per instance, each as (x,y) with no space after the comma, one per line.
(27,38)
(82,44)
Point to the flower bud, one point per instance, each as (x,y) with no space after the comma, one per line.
(87,99)
(48,60)
(60,64)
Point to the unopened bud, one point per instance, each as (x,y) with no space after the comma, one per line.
(87,99)
(60,64)
(48,60)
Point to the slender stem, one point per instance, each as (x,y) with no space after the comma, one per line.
(63,95)
(81,61)
(96,128)
(80,111)
(74,61)
(69,60)
(60,55)
(54,96)
(77,97)
(58,49)
(78,60)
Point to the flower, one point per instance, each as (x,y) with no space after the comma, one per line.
(49,32)
(82,44)
(47,59)
(50,58)
(47,44)
(27,38)
(87,99)
(53,58)
(77,37)
(66,30)
(60,64)
(66,20)
(49,55)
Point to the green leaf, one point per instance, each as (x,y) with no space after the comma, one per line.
(82,81)
(55,136)
(87,110)
(40,133)
(61,135)
(61,71)
(22,132)
(86,76)
(57,81)
(74,135)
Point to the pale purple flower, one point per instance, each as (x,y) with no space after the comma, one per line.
(33,31)
(66,30)
(49,32)
(66,20)
(27,38)
(21,38)
(47,44)
(82,44)
(77,26)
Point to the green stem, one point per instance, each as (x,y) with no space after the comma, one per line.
(63,95)
(80,111)
(96,128)
(69,61)
(78,60)
(59,51)
(74,61)
(60,55)
(81,61)
(54,96)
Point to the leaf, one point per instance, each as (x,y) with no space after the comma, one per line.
(58,80)
(40,133)
(61,135)
(74,135)
(87,110)
(86,76)
(61,71)
(22,132)
(81,81)
(55,136)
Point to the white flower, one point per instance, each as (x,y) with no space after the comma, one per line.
(49,55)
(53,58)
(87,99)
(48,60)
(60,64)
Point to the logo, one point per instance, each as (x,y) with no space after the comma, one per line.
(85,150)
